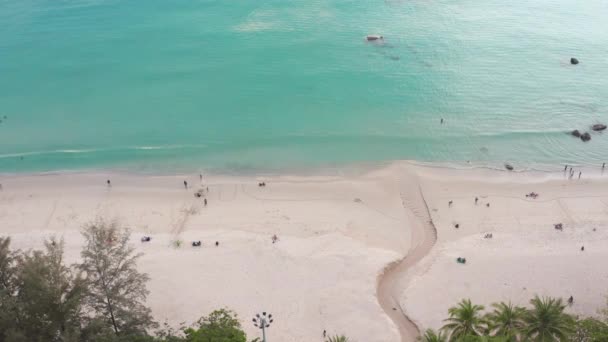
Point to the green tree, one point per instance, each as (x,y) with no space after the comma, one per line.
(220,326)
(473,338)
(431,336)
(42,296)
(9,310)
(338,338)
(547,322)
(590,330)
(51,294)
(465,319)
(117,290)
(506,320)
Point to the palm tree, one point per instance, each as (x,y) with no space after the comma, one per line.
(506,320)
(465,319)
(547,322)
(431,336)
(336,338)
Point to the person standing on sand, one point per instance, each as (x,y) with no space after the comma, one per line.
(201,177)
(185,185)
(109,183)
(566,168)
(476,199)
(205,201)
(449,204)
(579,174)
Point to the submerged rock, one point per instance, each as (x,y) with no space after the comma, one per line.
(586,136)
(573,61)
(598,127)
(576,133)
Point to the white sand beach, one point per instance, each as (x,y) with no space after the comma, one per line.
(337,234)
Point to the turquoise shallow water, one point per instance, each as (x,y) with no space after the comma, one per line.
(271,84)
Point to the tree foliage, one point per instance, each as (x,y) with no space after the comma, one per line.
(338,338)
(465,319)
(42,299)
(431,336)
(220,326)
(546,321)
(117,290)
(590,330)
(506,320)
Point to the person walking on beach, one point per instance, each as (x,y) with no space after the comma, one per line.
(205,201)
(109,183)
(185,184)
(201,177)
(603,167)
(579,174)
(449,204)
(566,168)
(476,199)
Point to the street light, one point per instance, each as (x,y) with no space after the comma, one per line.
(262,321)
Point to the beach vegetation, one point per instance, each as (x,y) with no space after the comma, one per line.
(547,321)
(465,319)
(506,320)
(116,289)
(431,335)
(338,338)
(219,326)
(41,299)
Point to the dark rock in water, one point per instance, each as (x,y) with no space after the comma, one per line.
(576,133)
(598,127)
(372,37)
(573,61)
(395,58)
(509,167)
(586,136)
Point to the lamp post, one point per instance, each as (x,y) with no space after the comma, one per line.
(262,321)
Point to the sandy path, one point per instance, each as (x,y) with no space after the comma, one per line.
(390,282)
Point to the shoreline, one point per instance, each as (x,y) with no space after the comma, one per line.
(341,170)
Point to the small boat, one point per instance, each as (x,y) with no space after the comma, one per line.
(372,37)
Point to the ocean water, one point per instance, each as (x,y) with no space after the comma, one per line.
(270,84)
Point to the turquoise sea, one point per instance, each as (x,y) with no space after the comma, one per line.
(270,84)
